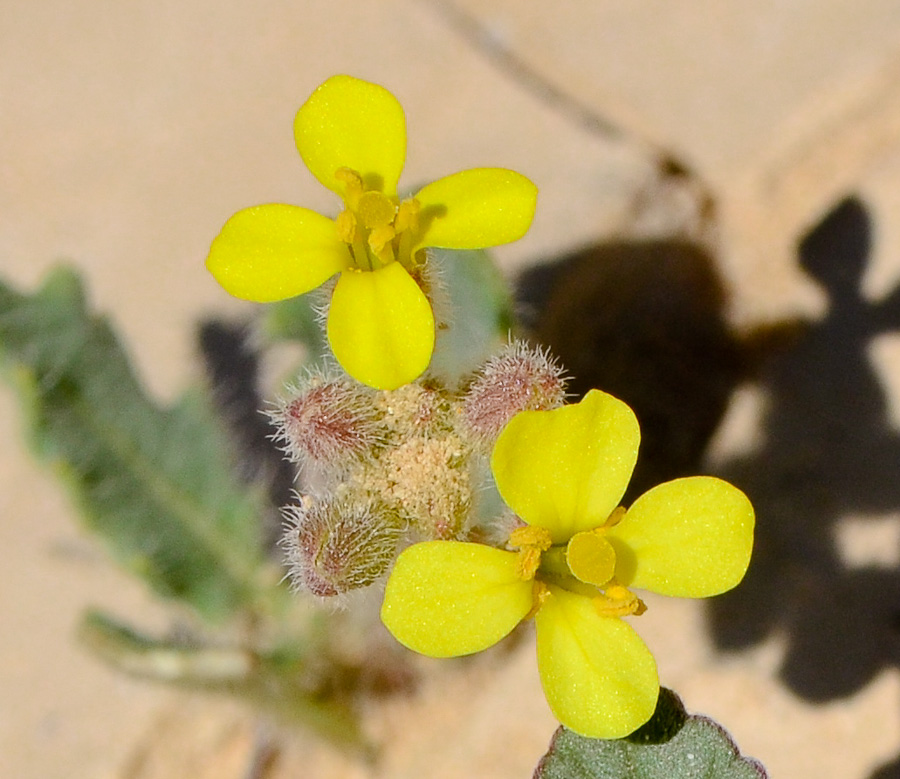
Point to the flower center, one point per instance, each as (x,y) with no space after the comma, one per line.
(585,565)
(377,229)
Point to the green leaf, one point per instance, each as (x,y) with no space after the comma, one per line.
(477,309)
(671,745)
(278,682)
(155,483)
(125,649)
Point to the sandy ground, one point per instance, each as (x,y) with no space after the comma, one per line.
(130,131)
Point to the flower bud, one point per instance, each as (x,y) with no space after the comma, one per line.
(335,546)
(325,422)
(519,378)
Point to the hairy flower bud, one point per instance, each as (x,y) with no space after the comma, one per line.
(335,546)
(519,378)
(325,422)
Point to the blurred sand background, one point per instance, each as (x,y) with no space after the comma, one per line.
(130,131)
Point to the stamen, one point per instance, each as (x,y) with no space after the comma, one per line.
(539,593)
(380,243)
(528,562)
(353,185)
(406,223)
(346,226)
(530,535)
(407,215)
(618,514)
(531,542)
(619,601)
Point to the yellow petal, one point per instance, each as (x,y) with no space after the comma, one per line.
(690,538)
(349,123)
(273,252)
(380,326)
(476,208)
(567,469)
(448,598)
(598,675)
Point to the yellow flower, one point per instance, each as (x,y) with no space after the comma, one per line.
(564,472)
(352,136)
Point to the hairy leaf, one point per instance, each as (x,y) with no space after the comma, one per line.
(155,483)
(671,745)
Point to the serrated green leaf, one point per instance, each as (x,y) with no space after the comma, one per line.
(155,483)
(671,745)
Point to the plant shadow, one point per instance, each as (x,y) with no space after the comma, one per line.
(644,321)
(829,452)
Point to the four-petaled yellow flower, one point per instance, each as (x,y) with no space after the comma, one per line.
(352,136)
(564,472)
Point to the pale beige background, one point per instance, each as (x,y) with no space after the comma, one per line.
(129,131)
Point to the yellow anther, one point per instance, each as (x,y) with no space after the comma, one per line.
(351,180)
(528,562)
(407,215)
(615,518)
(529,535)
(619,601)
(380,243)
(353,185)
(531,542)
(539,593)
(375,210)
(346,226)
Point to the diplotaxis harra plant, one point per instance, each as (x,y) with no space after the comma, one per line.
(442,472)
(396,460)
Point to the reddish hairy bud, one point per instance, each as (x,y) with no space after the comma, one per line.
(325,422)
(335,546)
(519,378)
